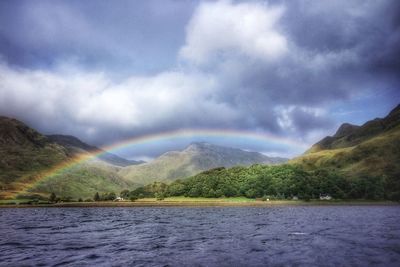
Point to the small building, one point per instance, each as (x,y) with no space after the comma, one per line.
(295,198)
(325,197)
(119,199)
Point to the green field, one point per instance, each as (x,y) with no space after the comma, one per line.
(193,202)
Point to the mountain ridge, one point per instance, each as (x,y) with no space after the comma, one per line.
(74,145)
(26,154)
(349,135)
(369,150)
(195,158)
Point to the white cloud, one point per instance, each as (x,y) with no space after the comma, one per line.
(220,28)
(92,101)
(261,92)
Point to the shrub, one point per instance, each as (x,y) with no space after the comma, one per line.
(159,196)
(52,197)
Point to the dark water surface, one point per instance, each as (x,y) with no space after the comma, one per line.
(211,236)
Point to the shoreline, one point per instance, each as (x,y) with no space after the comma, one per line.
(194,203)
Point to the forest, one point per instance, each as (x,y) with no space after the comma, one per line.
(272,182)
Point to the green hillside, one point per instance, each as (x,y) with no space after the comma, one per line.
(286,181)
(76,146)
(358,162)
(349,135)
(196,158)
(82,181)
(370,150)
(25,155)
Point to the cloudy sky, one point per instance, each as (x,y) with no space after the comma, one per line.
(106,71)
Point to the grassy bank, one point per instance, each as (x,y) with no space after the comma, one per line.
(193,202)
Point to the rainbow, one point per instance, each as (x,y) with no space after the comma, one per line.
(173,135)
(193,133)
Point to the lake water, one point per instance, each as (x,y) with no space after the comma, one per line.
(207,236)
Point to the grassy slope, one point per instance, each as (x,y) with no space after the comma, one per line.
(82,181)
(26,168)
(167,167)
(378,156)
(194,159)
(25,155)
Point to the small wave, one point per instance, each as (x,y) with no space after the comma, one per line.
(92,256)
(298,233)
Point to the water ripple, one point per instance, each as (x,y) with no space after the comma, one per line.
(281,236)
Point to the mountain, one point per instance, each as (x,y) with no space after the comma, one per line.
(25,154)
(197,157)
(369,150)
(76,146)
(349,135)
(82,181)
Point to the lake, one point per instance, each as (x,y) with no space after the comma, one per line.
(204,236)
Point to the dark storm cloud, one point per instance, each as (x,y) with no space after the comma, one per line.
(107,71)
(97,34)
(369,29)
(337,50)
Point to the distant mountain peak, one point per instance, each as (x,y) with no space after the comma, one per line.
(201,146)
(198,144)
(195,158)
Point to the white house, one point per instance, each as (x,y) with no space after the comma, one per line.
(325,197)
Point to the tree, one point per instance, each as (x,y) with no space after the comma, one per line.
(111,196)
(52,197)
(159,196)
(124,193)
(96,197)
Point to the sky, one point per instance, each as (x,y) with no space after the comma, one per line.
(108,71)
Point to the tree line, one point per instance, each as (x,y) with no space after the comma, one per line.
(275,182)
(262,181)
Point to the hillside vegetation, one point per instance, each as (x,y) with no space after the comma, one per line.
(269,182)
(76,146)
(357,162)
(196,158)
(82,181)
(372,149)
(25,155)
